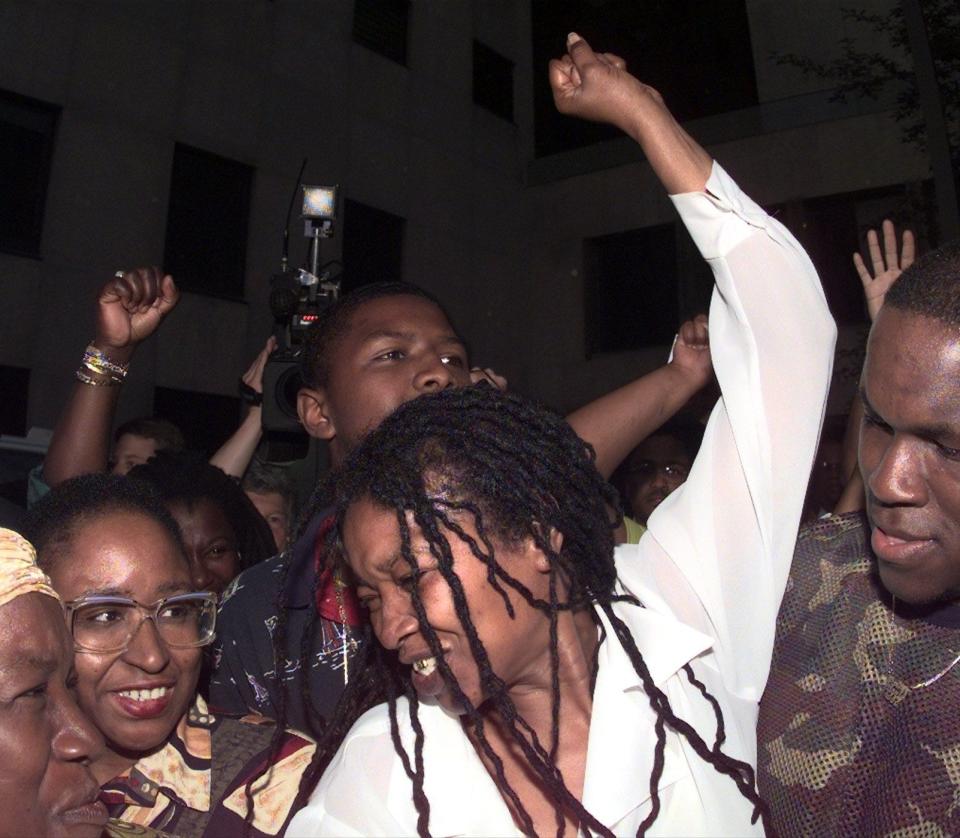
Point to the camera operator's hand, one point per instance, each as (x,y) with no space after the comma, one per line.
(130,307)
(234,456)
(253,377)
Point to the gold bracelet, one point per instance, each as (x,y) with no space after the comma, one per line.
(82,376)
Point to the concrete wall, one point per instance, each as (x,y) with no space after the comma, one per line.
(266,84)
(497,235)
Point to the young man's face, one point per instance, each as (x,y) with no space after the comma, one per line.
(393,350)
(658,465)
(910,454)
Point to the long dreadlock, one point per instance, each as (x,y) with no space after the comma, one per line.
(521,473)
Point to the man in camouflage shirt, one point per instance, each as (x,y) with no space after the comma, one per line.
(859,729)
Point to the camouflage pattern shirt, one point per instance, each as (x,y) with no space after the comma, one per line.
(859,730)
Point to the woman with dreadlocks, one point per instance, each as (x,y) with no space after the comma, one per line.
(525,678)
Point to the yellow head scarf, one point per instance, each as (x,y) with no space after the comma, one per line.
(19,573)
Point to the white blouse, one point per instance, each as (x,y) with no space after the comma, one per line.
(710,571)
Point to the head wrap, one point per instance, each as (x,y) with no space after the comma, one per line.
(19,573)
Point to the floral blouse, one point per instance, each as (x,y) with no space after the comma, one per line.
(195,784)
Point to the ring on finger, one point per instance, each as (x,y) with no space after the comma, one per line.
(119,274)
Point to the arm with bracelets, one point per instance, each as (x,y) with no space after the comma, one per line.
(130,307)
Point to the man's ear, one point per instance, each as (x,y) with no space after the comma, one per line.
(313,411)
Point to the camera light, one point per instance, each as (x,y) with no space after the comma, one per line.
(320,202)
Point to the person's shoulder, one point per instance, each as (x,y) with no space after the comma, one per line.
(260,584)
(367,751)
(375,725)
(266,575)
(376,721)
(254,592)
(634,529)
(836,539)
(247,753)
(252,734)
(832,558)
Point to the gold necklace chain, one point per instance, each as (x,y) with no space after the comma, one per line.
(897,690)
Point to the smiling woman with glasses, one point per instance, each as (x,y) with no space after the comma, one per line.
(140,629)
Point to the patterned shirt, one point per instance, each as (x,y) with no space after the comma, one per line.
(195,784)
(859,731)
(247,677)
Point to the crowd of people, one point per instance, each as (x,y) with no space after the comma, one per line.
(466,629)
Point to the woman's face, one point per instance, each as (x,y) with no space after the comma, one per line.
(137,696)
(517,647)
(211,543)
(46,743)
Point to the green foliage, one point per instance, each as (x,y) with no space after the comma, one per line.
(858,73)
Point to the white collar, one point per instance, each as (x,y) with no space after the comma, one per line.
(463,797)
(616,778)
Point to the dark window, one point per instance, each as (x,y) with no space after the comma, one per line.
(15,386)
(381,25)
(492,81)
(831,227)
(631,289)
(206,419)
(206,245)
(697,53)
(372,245)
(28,129)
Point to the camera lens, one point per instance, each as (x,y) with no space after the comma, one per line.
(288,385)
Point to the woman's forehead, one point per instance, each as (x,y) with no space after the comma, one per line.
(32,630)
(119,552)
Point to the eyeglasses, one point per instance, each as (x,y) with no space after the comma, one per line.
(109,623)
(648,469)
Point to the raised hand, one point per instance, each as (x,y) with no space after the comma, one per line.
(691,351)
(131,306)
(594,85)
(597,86)
(887,264)
(253,377)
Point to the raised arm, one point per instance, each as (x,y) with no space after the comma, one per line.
(718,550)
(235,454)
(130,307)
(617,422)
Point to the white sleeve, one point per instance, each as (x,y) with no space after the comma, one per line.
(717,551)
(353,796)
